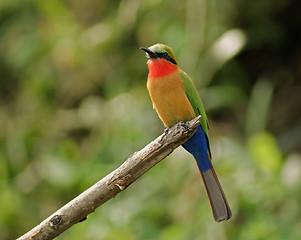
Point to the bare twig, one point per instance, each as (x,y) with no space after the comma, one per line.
(108,187)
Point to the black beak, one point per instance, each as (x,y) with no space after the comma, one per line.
(150,53)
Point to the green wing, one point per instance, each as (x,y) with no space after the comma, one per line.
(195,100)
(196,103)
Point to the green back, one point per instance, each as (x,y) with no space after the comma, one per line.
(195,100)
(196,103)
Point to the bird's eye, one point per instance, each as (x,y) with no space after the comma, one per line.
(165,54)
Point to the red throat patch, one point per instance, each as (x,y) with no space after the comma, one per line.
(160,68)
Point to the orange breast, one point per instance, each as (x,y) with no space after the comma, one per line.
(169,99)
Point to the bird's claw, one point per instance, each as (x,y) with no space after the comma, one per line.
(166,130)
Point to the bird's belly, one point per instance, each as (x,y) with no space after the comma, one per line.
(170,100)
(173,109)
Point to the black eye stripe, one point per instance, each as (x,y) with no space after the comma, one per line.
(162,54)
(166,56)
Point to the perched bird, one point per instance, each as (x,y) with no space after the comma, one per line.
(176,99)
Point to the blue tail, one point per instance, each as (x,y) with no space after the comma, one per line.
(198,146)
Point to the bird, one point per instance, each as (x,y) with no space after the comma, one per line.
(175,99)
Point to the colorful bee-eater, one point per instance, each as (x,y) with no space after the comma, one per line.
(176,99)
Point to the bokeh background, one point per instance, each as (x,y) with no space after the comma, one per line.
(74,106)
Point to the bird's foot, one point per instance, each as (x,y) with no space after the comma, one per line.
(166,130)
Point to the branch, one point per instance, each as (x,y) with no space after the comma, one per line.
(115,182)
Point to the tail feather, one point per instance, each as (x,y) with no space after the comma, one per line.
(219,205)
(198,146)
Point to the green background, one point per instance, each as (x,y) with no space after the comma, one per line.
(74,106)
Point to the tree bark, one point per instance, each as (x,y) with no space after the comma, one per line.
(115,182)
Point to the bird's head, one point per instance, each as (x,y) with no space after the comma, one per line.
(160,51)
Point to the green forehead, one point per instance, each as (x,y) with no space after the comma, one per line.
(159,48)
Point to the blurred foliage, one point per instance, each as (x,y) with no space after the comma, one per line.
(74,106)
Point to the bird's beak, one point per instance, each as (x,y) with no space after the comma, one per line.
(150,53)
